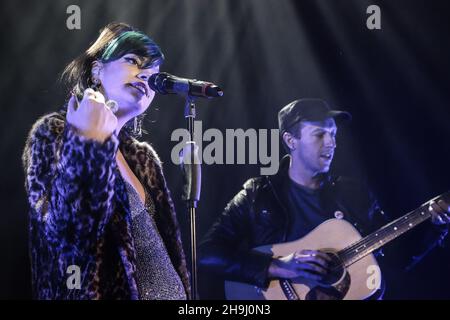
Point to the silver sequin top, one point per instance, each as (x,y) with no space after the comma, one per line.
(155,274)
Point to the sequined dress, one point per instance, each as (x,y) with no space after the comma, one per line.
(156,277)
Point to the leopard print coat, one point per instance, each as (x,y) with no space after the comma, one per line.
(79,214)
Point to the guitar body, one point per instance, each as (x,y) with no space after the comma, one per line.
(355,282)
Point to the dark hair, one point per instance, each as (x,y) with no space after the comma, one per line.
(115,40)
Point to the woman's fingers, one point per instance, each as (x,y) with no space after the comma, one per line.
(88,92)
(93,118)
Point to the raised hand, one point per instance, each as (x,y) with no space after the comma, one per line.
(92,118)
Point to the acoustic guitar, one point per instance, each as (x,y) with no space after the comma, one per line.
(355,273)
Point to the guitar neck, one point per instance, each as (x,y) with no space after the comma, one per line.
(386,234)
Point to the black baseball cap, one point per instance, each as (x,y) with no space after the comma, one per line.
(308,110)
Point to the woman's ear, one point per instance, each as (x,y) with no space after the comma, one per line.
(95,70)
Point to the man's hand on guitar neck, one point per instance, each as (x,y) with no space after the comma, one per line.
(440,212)
(308,264)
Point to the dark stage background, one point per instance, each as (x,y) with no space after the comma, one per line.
(264,54)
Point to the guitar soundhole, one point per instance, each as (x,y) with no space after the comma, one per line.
(336,273)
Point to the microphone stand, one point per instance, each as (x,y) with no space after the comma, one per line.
(192,186)
(165,83)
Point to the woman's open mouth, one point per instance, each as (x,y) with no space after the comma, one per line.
(141,87)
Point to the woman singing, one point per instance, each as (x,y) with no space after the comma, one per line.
(102,222)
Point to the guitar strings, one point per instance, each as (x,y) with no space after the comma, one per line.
(374,237)
(364,243)
(415,217)
(419,219)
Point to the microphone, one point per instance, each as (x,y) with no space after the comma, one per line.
(165,83)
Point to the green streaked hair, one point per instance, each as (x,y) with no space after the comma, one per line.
(133,42)
(115,40)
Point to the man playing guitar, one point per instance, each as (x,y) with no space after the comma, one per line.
(290,205)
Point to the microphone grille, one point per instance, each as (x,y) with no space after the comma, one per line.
(156,82)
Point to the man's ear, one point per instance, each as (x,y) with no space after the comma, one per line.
(289,140)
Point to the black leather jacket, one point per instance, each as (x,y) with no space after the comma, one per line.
(257,216)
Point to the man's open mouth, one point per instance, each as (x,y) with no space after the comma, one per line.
(327,156)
